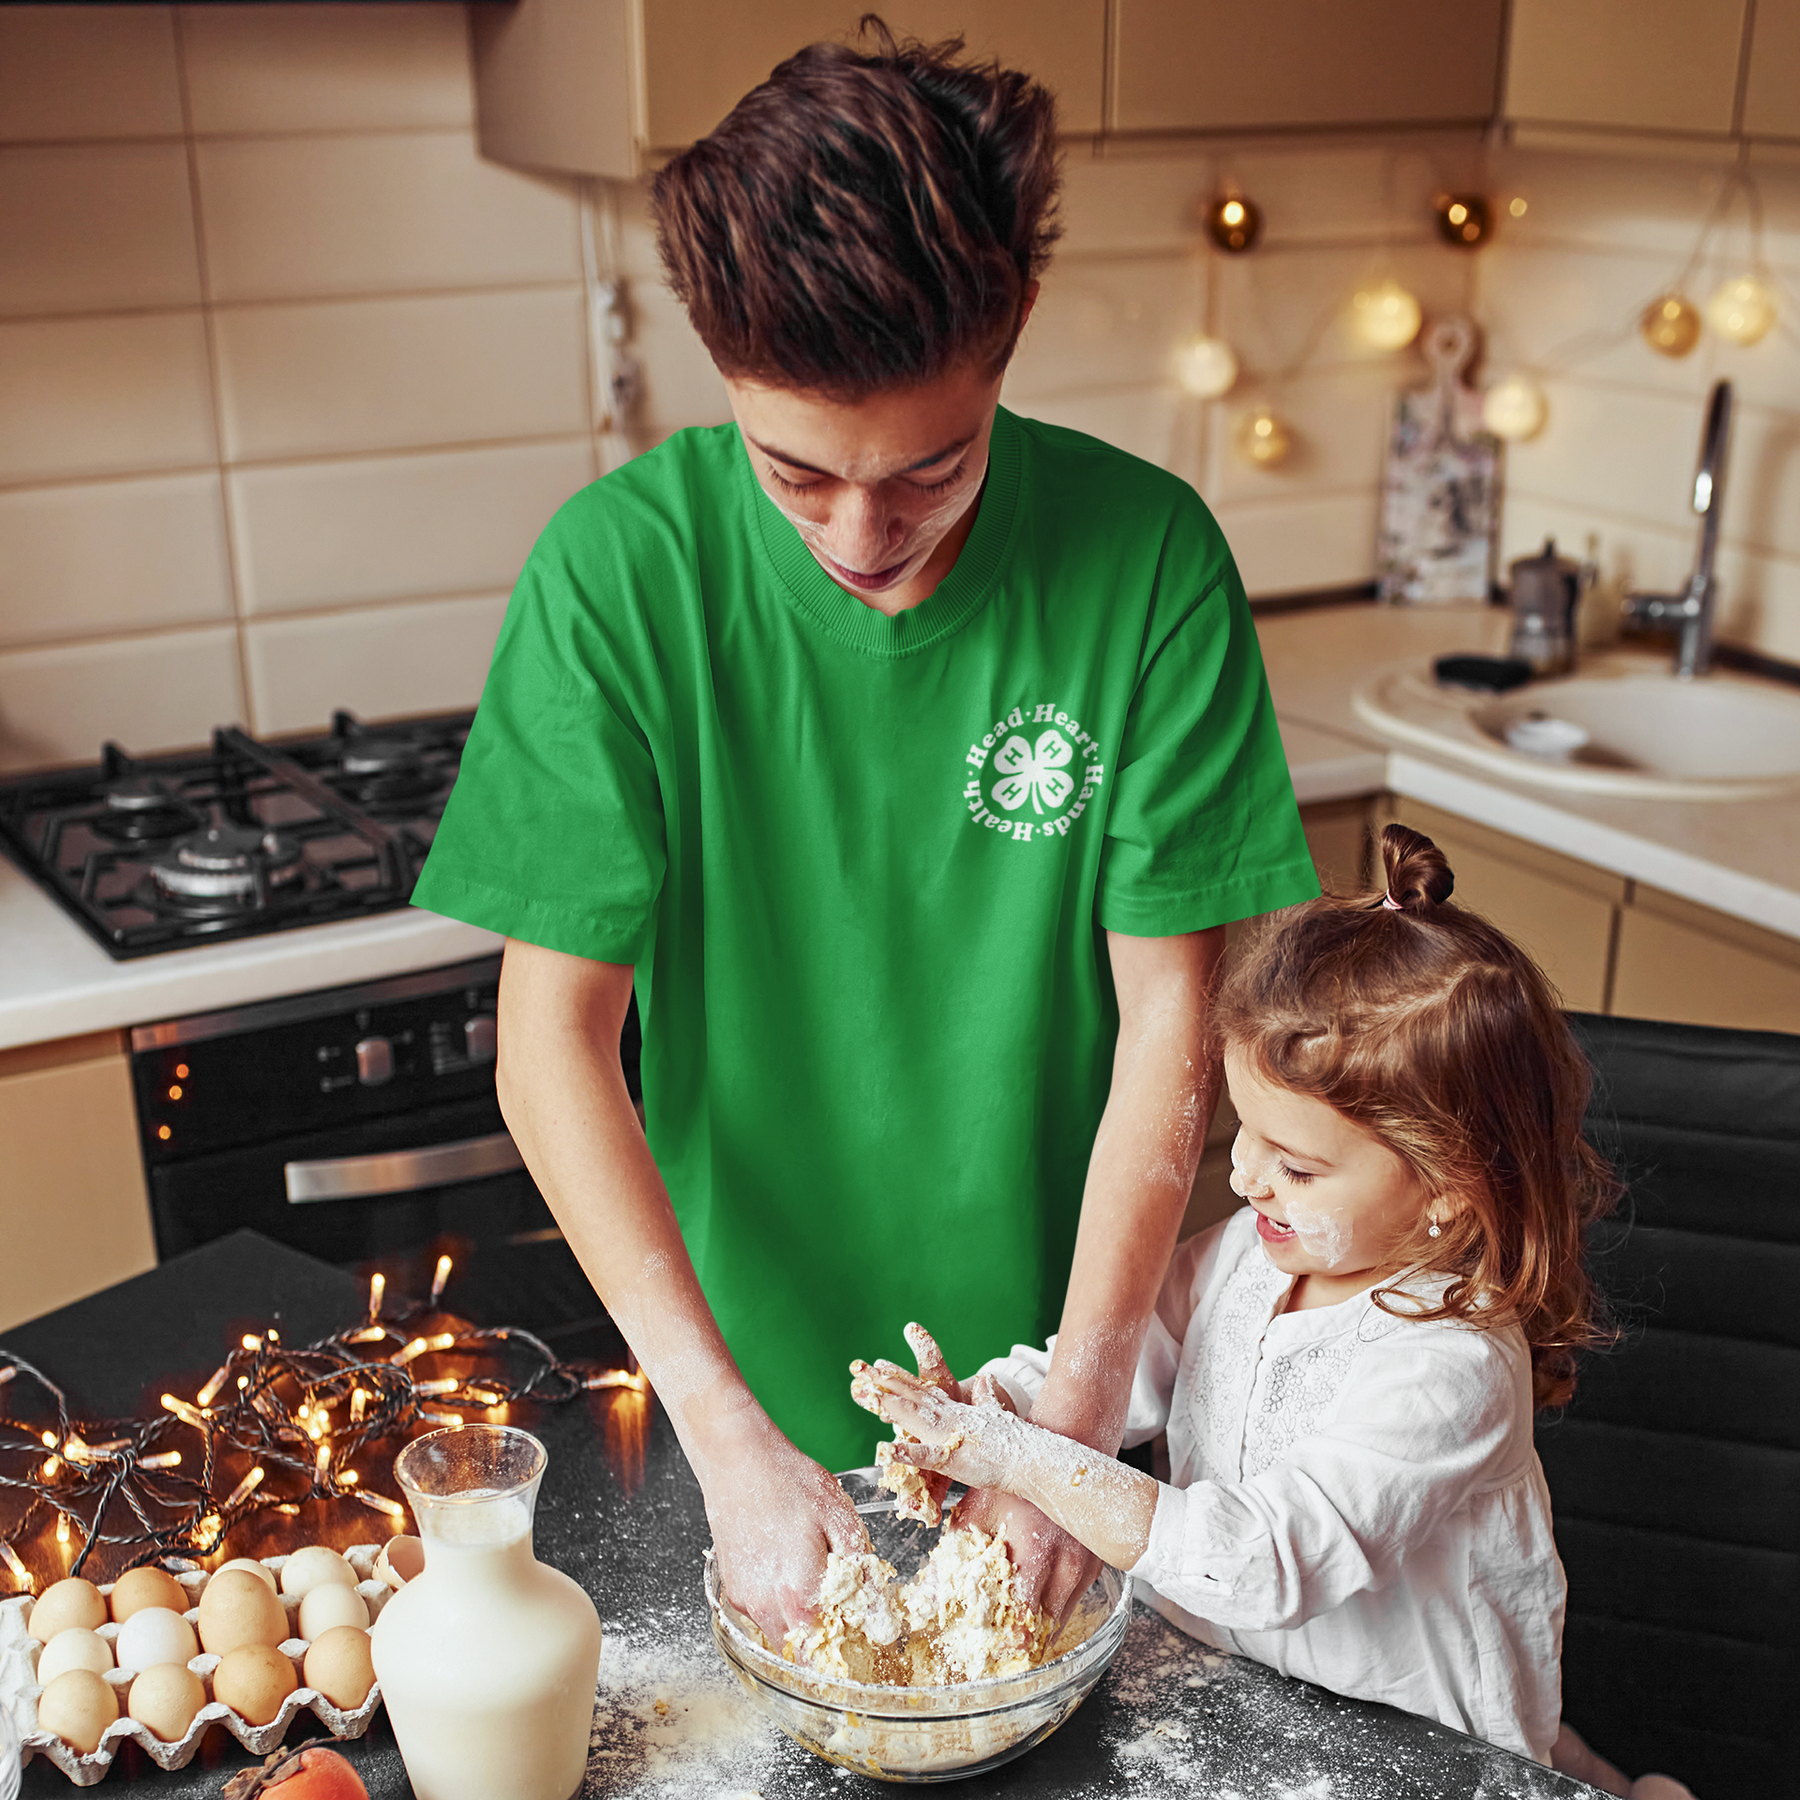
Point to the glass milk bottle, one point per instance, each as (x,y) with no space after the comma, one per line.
(488,1659)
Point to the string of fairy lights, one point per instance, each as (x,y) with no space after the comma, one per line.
(301,1418)
(1383,315)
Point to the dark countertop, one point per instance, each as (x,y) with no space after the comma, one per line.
(620,1511)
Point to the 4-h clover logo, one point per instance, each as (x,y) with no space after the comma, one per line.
(1034,774)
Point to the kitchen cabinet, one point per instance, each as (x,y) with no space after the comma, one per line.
(608,87)
(1630,65)
(1562,911)
(1772,85)
(74,1213)
(1214,65)
(1680,961)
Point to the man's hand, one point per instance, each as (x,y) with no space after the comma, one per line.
(775,1515)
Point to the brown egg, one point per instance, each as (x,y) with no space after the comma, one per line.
(253,1680)
(76,1648)
(165,1698)
(305,1569)
(251,1566)
(338,1665)
(236,1608)
(75,1601)
(78,1706)
(148,1586)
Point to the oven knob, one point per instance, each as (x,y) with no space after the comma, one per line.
(481,1037)
(374,1061)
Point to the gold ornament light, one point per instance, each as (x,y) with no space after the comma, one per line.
(1464,220)
(1742,310)
(1261,439)
(1386,316)
(1671,324)
(1234,223)
(1205,366)
(1514,408)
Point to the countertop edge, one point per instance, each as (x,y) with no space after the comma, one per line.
(1587,840)
(115,995)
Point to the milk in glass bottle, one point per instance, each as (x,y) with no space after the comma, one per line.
(488,1659)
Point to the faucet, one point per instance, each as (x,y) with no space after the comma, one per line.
(1692,609)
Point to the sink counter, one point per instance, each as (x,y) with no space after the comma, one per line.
(1737,857)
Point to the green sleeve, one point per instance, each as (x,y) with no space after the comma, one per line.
(554,832)
(1202,827)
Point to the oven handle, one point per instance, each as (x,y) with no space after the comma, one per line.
(401,1171)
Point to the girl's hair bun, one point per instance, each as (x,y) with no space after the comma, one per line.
(1416,873)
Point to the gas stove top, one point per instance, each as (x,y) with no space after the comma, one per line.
(161,852)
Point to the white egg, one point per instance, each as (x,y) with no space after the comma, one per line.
(156,1635)
(327,1605)
(76,1648)
(305,1569)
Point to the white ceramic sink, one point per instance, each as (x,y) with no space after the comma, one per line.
(1619,727)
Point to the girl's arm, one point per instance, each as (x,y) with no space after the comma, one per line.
(1434,1415)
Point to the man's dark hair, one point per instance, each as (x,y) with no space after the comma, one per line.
(864,221)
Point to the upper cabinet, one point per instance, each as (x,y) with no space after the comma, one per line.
(1220,65)
(608,87)
(1692,68)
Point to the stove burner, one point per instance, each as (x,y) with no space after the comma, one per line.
(227,867)
(385,773)
(142,810)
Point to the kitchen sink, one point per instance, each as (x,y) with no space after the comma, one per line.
(1623,726)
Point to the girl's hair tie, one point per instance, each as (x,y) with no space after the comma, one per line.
(1391,903)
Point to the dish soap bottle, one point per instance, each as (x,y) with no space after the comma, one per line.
(488,1659)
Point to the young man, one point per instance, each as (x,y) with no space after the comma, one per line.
(910,757)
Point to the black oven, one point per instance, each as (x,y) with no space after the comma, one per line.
(360,1124)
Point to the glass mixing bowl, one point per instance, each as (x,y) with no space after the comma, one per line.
(919,1733)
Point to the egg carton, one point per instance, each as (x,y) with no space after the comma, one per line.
(19,1686)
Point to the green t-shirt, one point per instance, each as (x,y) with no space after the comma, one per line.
(863,866)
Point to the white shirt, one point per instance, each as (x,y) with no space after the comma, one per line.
(1356,1499)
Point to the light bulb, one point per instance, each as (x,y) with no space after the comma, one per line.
(1205,366)
(1670,325)
(1260,439)
(1514,407)
(1386,317)
(1233,223)
(1742,310)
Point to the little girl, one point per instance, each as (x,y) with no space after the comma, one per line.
(1347,1368)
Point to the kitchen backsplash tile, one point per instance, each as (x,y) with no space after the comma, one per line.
(1105,322)
(391,528)
(431,657)
(85,559)
(391,374)
(163,691)
(103,396)
(88,72)
(395,336)
(305,67)
(91,227)
(291,217)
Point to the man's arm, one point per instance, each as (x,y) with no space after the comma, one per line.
(1164,1087)
(774,1512)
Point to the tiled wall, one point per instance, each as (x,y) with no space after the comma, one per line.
(290,377)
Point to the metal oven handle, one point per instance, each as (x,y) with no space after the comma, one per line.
(401,1171)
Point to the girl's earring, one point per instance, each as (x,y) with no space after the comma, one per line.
(1433,1229)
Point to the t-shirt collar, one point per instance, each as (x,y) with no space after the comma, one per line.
(959,596)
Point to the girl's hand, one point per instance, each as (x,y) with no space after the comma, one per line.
(982,1445)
